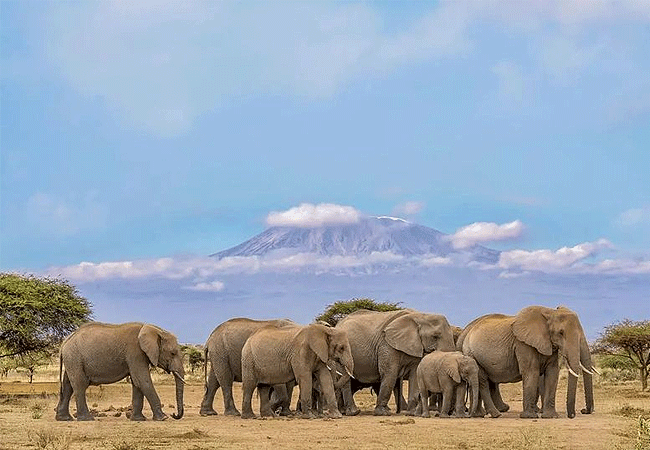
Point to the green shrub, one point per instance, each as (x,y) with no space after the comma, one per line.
(340,309)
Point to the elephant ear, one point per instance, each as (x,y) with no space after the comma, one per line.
(149,340)
(403,334)
(531,327)
(451,368)
(318,339)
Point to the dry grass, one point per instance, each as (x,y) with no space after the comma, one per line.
(27,422)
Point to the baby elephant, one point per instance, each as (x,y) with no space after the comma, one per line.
(448,373)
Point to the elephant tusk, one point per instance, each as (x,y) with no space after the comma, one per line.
(586,370)
(349,373)
(180,378)
(571,371)
(328,367)
(339,373)
(594,370)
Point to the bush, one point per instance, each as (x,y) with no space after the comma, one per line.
(338,310)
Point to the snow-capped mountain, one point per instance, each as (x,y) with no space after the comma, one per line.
(369,235)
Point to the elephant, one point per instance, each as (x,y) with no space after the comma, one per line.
(387,347)
(448,373)
(275,355)
(523,347)
(223,349)
(100,353)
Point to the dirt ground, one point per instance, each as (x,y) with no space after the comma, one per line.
(27,422)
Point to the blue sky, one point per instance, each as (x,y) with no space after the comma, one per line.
(137,132)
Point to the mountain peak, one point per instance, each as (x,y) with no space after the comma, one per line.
(368,235)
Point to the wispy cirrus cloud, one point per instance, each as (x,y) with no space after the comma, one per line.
(409,208)
(56,216)
(146,61)
(634,217)
(308,215)
(481,232)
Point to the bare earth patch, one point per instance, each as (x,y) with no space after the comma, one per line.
(27,422)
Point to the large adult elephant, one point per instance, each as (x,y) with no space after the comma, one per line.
(279,355)
(223,350)
(523,347)
(100,353)
(387,347)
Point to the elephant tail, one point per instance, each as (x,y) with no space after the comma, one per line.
(205,366)
(61,373)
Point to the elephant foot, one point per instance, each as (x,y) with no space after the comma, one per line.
(63,417)
(494,414)
(160,417)
(528,415)
(137,418)
(208,412)
(549,415)
(309,415)
(482,414)
(333,414)
(232,412)
(85,417)
(425,414)
(586,411)
(382,411)
(352,411)
(503,407)
(267,413)
(445,416)
(285,412)
(248,415)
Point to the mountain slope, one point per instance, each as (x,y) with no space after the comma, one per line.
(371,234)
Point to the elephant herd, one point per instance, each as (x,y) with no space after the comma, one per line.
(329,364)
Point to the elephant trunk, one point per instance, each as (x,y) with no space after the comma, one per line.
(585,360)
(474,395)
(180,384)
(584,365)
(348,363)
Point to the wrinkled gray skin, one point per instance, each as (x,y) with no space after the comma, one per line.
(448,373)
(521,348)
(274,356)
(387,347)
(223,350)
(99,353)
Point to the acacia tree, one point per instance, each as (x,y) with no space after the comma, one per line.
(631,341)
(338,310)
(37,313)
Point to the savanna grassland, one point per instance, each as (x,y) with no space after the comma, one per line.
(27,422)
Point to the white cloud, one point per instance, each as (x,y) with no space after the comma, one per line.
(409,208)
(308,215)
(634,217)
(207,286)
(480,232)
(55,216)
(159,65)
(551,261)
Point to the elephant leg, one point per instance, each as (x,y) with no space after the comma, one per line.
(550,386)
(388,381)
(248,387)
(137,402)
(460,392)
(225,379)
(211,386)
(264,392)
(447,394)
(412,404)
(281,398)
(141,378)
(495,393)
(486,396)
(530,380)
(305,387)
(63,407)
(79,386)
(328,396)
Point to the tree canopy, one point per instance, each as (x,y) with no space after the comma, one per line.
(628,340)
(37,313)
(338,310)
